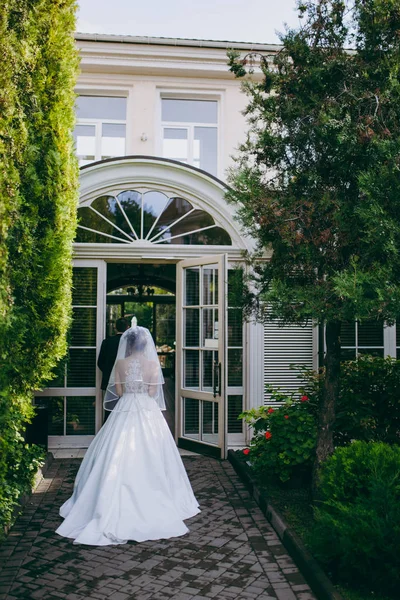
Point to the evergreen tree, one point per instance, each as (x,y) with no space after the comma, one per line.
(318,179)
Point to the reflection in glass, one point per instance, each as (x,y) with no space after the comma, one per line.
(210,285)
(192,286)
(85,143)
(175,144)
(235,327)
(130,217)
(80,417)
(235,369)
(189,111)
(205,149)
(101,107)
(192,322)
(55,407)
(207,377)
(131,203)
(191,369)
(153,205)
(112,140)
(209,422)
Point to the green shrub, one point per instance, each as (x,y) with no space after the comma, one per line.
(369,400)
(357,532)
(284,440)
(38,199)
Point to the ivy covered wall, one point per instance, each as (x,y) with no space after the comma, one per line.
(38,199)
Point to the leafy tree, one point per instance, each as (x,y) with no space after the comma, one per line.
(38,198)
(318,179)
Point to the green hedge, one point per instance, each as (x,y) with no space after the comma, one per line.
(357,524)
(38,197)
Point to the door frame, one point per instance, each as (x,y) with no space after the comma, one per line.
(183,442)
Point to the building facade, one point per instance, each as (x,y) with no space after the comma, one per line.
(158,124)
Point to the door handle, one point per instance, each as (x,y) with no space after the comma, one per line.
(217,379)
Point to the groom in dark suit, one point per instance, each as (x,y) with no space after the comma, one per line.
(109,350)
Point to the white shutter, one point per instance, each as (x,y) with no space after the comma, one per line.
(285,346)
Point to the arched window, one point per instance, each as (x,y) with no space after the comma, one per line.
(147,215)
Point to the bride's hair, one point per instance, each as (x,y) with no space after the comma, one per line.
(135,341)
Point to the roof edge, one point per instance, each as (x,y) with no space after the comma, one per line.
(161,41)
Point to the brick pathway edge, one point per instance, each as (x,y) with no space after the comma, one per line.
(317,579)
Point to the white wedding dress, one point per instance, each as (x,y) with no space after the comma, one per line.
(132,484)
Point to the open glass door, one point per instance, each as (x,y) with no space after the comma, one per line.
(201,355)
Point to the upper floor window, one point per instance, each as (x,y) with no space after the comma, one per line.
(100,130)
(190,132)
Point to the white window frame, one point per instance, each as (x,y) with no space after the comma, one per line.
(98,123)
(180,94)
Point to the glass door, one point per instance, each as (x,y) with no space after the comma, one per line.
(201,355)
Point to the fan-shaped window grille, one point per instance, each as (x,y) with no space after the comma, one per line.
(153,216)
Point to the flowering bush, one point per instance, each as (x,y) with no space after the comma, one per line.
(284,438)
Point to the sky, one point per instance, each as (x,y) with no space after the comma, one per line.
(230,20)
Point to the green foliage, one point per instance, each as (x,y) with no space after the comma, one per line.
(368,406)
(38,185)
(318,179)
(284,440)
(357,532)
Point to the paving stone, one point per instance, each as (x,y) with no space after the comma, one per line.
(231,552)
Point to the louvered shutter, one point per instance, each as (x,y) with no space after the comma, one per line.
(285,346)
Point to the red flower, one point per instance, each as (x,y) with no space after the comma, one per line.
(270,410)
(246,451)
(268,435)
(304,398)
(286,416)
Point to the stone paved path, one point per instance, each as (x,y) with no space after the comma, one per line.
(231,552)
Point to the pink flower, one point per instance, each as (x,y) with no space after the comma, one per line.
(268,435)
(246,451)
(304,398)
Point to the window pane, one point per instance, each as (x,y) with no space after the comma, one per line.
(208,374)
(113,140)
(210,422)
(175,144)
(101,107)
(235,369)
(83,330)
(370,333)
(205,149)
(84,286)
(196,220)
(210,285)
(80,415)
(192,286)
(235,408)
(348,334)
(192,333)
(175,209)
(81,368)
(85,143)
(131,203)
(88,218)
(55,407)
(235,327)
(153,205)
(191,418)
(191,369)
(216,236)
(189,111)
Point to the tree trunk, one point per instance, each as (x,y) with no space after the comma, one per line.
(330,393)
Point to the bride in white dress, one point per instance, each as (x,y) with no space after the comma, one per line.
(132,484)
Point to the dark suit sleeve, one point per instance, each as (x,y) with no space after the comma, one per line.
(102,360)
